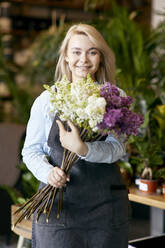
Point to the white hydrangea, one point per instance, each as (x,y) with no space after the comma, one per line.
(78,101)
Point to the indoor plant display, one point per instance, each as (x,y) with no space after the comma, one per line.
(147,160)
(146,156)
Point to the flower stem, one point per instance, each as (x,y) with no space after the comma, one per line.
(55,190)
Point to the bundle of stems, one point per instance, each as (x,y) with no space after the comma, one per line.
(43,200)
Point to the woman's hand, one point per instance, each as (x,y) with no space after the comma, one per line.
(71,140)
(57,177)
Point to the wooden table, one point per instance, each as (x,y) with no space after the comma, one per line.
(23,229)
(157,207)
(154,200)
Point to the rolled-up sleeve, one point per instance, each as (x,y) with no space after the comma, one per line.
(35,148)
(108,151)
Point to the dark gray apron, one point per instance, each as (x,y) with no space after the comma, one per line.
(95,211)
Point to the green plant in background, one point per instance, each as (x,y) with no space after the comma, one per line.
(15,195)
(39,69)
(6,74)
(159,116)
(28,183)
(6,71)
(21,98)
(127,40)
(140,60)
(40,66)
(145,150)
(160,174)
(155,44)
(147,158)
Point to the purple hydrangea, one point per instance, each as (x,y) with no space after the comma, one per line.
(118,116)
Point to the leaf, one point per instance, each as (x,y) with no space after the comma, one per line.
(146,120)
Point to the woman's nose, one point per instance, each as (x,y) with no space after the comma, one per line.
(84,57)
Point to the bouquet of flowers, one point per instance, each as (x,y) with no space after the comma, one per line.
(96,110)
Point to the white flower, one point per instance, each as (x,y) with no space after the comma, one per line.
(96,107)
(78,101)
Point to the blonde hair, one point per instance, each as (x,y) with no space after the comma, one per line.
(106,71)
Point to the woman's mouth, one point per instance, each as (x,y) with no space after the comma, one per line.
(84,67)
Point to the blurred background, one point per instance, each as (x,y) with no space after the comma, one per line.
(30,35)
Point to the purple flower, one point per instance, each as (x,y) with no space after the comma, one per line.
(112,116)
(118,116)
(126,101)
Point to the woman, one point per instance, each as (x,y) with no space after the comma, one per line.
(95,202)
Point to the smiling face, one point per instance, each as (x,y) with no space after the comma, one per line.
(82,57)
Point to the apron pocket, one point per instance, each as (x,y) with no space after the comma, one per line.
(120,205)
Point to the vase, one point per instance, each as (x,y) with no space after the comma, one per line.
(148,186)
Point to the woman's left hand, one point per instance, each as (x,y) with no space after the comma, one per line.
(71,140)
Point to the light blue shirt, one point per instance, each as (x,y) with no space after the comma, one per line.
(36,149)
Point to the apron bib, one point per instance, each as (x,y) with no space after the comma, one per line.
(95,199)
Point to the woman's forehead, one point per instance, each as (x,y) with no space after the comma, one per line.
(78,41)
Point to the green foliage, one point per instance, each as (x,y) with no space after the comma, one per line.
(29,184)
(146,150)
(160,174)
(146,155)
(6,73)
(126,166)
(126,39)
(21,98)
(155,45)
(158,124)
(14,194)
(40,66)
(140,63)
(22,101)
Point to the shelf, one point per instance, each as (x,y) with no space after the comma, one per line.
(51,3)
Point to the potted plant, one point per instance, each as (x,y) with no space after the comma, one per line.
(147,160)
(146,155)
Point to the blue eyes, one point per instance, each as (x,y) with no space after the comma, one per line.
(77,53)
(93,53)
(89,53)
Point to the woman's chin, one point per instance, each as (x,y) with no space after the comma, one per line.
(83,74)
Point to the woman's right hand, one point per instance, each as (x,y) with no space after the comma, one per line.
(57,177)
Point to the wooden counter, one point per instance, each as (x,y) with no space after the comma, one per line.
(154,200)
(24,228)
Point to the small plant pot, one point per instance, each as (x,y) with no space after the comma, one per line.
(148,186)
(137,182)
(163,190)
